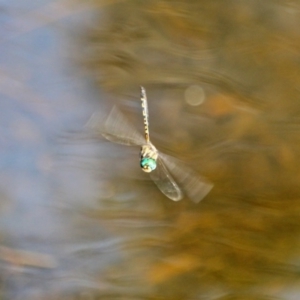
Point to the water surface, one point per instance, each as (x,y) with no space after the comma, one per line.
(80,220)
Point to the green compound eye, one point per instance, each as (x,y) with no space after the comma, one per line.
(148,164)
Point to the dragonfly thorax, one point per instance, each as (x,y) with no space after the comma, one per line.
(148,158)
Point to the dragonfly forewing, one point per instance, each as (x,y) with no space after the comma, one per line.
(195,187)
(118,130)
(165,182)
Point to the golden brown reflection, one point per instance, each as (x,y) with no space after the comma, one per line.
(228,73)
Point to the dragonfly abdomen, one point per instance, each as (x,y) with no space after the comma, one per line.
(145,113)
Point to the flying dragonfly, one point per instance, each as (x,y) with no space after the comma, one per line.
(171,176)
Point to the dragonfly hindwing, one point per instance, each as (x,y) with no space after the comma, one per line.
(165,181)
(195,187)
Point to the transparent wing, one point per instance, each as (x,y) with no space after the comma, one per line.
(117,129)
(195,187)
(165,182)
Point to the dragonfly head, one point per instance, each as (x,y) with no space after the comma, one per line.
(148,164)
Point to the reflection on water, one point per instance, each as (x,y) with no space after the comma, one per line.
(79,218)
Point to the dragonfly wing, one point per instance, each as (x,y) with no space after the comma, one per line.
(165,182)
(195,187)
(117,129)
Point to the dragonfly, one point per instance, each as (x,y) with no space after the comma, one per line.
(172,177)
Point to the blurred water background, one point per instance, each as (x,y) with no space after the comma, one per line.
(79,219)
